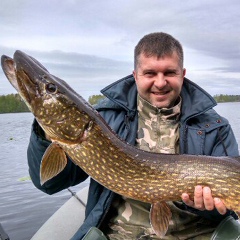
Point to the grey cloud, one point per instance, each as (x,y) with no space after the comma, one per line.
(112,28)
(81,65)
(215,84)
(88,73)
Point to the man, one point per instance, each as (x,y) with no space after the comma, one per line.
(159,110)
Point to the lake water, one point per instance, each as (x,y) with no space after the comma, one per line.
(23,208)
(231,111)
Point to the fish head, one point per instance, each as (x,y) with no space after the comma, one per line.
(50,99)
(27,76)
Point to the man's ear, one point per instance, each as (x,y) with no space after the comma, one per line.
(184,72)
(135,75)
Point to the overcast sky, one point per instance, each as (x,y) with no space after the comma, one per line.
(90,44)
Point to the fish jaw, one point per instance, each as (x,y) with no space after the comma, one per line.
(8,66)
(25,86)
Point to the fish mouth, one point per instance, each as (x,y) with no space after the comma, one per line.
(21,73)
(8,66)
(18,79)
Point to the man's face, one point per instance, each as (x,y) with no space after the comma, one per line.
(159,80)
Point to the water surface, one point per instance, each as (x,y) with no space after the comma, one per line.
(23,208)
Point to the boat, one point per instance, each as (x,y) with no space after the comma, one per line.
(3,234)
(64,223)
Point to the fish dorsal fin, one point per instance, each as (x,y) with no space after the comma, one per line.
(160,216)
(53,162)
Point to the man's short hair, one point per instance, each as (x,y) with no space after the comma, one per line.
(158,44)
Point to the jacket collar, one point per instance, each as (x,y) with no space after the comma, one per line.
(123,93)
(195,100)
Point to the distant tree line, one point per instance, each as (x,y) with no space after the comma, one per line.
(12,103)
(94,99)
(226,98)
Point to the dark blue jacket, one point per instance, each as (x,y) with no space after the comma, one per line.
(202,132)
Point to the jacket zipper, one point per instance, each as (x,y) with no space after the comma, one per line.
(107,209)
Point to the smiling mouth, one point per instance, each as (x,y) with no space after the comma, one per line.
(160,93)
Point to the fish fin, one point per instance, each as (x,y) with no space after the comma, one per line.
(160,216)
(53,162)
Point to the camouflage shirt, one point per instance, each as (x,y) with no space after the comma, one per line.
(158,131)
(158,128)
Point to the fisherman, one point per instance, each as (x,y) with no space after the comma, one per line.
(157,109)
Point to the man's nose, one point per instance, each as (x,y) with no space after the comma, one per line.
(160,81)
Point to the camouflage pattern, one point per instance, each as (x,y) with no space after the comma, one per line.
(158,131)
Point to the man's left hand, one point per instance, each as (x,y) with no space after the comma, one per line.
(203,200)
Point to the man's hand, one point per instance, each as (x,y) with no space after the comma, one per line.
(203,200)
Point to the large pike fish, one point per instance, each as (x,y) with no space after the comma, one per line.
(76,129)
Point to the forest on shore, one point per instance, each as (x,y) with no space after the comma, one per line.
(12,103)
(226,98)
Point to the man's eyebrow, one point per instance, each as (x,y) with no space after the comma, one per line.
(171,70)
(149,70)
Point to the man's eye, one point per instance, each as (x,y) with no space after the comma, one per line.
(149,74)
(170,73)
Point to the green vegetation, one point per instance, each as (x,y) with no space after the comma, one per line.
(94,99)
(12,103)
(23,179)
(227,98)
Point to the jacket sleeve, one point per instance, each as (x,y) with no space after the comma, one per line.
(70,176)
(222,142)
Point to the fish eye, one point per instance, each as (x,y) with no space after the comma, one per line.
(51,88)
